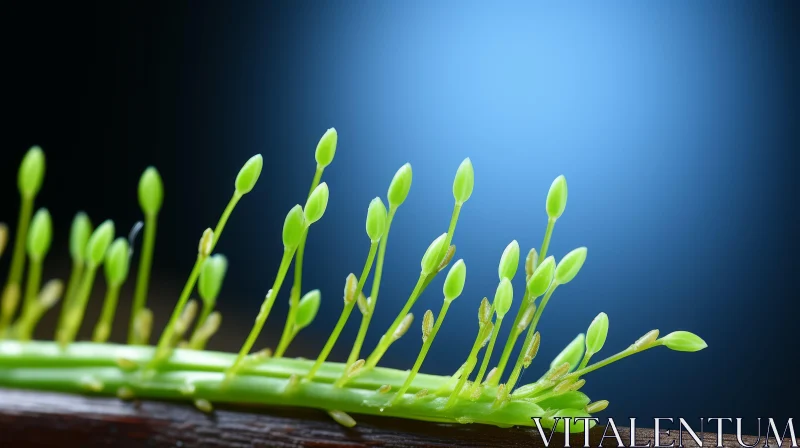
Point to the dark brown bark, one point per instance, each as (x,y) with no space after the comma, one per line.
(30,418)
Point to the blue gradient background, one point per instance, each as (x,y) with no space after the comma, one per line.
(675,124)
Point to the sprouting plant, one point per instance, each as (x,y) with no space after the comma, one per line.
(180,368)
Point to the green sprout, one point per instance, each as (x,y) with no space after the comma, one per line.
(179,367)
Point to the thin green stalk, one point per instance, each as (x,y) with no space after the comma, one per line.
(472,360)
(297,287)
(511,341)
(487,355)
(204,313)
(77,309)
(72,289)
(348,308)
(376,285)
(266,307)
(224,218)
(34,282)
(512,381)
(143,274)
(103,328)
(17,262)
(548,233)
(423,352)
(614,358)
(386,339)
(451,230)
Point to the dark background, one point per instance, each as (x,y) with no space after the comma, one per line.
(674,122)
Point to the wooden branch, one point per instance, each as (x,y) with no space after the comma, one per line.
(31,418)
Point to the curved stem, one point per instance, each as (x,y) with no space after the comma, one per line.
(103,328)
(17,263)
(143,275)
(512,381)
(511,341)
(614,358)
(72,289)
(548,233)
(487,355)
(33,284)
(78,308)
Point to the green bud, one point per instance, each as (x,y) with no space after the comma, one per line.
(293,227)
(503,297)
(509,261)
(307,309)
(542,277)
(571,354)
(98,243)
(431,259)
(401,184)
(248,175)
(40,234)
(206,244)
(376,220)
(79,236)
(151,192)
(464,181)
(597,333)
(570,265)
(684,341)
(557,197)
(530,263)
(326,148)
(211,276)
(117,261)
(31,172)
(454,283)
(316,204)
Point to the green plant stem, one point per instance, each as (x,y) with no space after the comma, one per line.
(472,360)
(376,285)
(224,218)
(72,289)
(17,261)
(487,355)
(614,358)
(548,233)
(511,341)
(348,308)
(297,287)
(451,230)
(77,309)
(103,328)
(204,313)
(33,284)
(266,307)
(512,381)
(386,339)
(143,275)
(423,352)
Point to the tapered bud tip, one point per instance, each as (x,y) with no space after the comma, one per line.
(151,192)
(557,197)
(509,261)
(212,275)
(117,262)
(464,181)
(684,341)
(454,283)
(571,354)
(570,265)
(433,255)
(503,297)
(401,184)
(206,244)
(597,333)
(376,220)
(249,174)
(316,204)
(293,227)
(542,277)
(40,234)
(79,235)
(31,172)
(307,308)
(326,148)
(98,243)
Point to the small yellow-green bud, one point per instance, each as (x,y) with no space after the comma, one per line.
(433,255)
(98,243)
(484,312)
(401,184)
(464,181)
(293,227)
(211,277)
(3,237)
(316,204)
(40,235)
(249,174)
(503,297)
(646,340)
(307,309)
(454,283)
(350,286)
(530,263)
(596,406)
(376,220)
(151,192)
(427,325)
(509,261)
(557,197)
(206,244)
(684,341)
(79,235)
(31,172)
(403,327)
(542,277)
(597,333)
(570,265)
(117,261)
(326,148)
(571,354)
